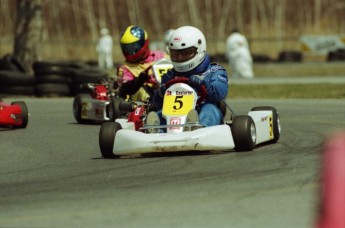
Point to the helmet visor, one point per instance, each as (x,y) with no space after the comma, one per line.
(182,55)
(132,48)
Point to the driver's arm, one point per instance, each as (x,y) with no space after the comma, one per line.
(132,86)
(217,86)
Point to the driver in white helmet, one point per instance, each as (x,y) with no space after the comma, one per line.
(187,47)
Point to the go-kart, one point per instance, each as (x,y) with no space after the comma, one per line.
(99,105)
(133,136)
(14,115)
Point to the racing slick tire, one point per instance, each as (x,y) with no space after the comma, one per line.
(107,135)
(275,120)
(77,108)
(113,109)
(24,114)
(244,133)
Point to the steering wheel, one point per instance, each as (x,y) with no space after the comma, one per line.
(201,93)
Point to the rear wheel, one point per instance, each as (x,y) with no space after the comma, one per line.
(107,136)
(275,120)
(244,133)
(77,108)
(24,113)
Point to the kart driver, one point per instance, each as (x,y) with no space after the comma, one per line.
(187,48)
(135,78)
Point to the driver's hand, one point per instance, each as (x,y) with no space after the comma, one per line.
(196,81)
(151,79)
(143,77)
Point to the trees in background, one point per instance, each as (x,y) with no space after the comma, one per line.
(28,31)
(77,22)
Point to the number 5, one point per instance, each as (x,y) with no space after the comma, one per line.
(179,102)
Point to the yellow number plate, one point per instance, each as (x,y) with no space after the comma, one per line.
(177,104)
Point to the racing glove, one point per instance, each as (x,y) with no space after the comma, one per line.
(131,87)
(143,77)
(196,81)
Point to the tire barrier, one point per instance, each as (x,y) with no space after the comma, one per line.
(15,79)
(52,78)
(52,90)
(82,76)
(63,78)
(290,56)
(261,58)
(337,55)
(11,63)
(17,90)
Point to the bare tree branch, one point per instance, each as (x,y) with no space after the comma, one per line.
(28,32)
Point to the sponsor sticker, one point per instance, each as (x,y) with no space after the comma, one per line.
(271,127)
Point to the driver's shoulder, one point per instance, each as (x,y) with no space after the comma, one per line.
(215,67)
(212,69)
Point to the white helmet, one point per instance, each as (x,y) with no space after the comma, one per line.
(167,35)
(187,47)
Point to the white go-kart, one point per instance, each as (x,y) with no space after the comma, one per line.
(129,136)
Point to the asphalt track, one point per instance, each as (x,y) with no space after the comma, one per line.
(52,174)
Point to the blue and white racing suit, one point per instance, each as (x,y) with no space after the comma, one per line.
(215,79)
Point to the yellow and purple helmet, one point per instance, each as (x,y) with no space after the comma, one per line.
(134,44)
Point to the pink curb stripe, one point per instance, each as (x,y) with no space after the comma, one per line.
(333,183)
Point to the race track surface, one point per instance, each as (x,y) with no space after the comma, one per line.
(52,174)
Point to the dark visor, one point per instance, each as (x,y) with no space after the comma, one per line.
(133,48)
(182,55)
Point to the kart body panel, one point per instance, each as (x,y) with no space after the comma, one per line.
(215,138)
(133,142)
(263,124)
(10,114)
(93,109)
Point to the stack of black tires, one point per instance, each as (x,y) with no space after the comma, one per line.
(63,78)
(50,78)
(290,56)
(15,79)
(336,55)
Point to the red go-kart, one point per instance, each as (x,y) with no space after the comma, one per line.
(14,115)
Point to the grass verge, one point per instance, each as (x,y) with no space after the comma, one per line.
(306,69)
(321,91)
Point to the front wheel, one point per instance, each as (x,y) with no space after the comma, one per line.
(276,128)
(107,136)
(24,115)
(244,133)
